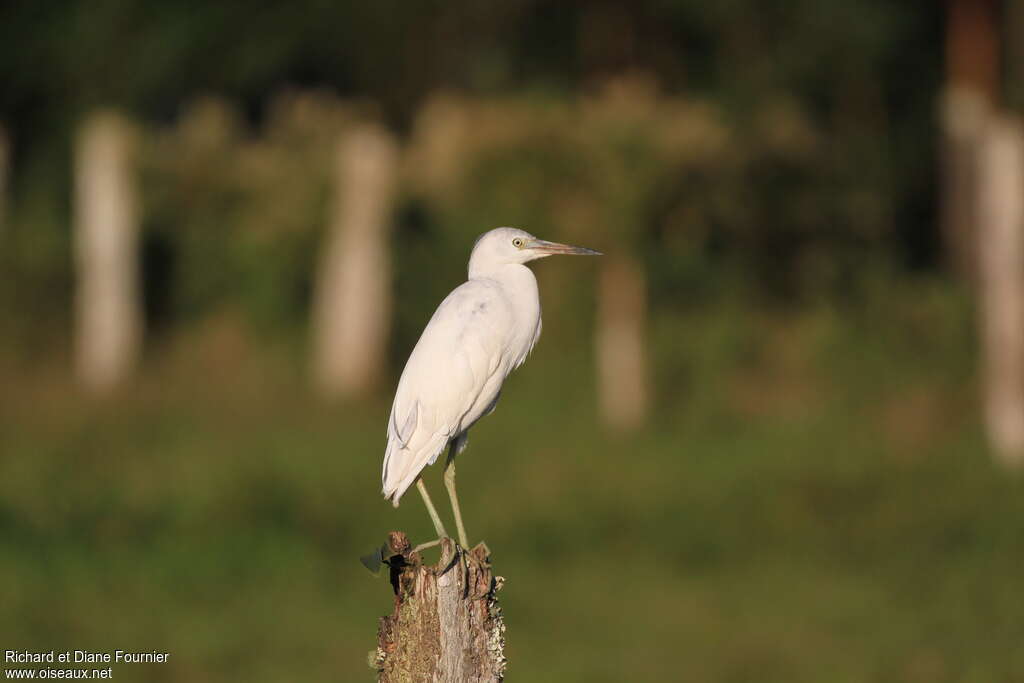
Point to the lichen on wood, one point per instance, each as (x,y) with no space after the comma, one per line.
(446,625)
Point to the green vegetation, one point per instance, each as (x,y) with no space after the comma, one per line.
(811,499)
(813,502)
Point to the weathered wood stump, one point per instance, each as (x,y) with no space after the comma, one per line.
(446,625)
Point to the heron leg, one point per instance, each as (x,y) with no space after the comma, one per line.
(449,483)
(428,544)
(434,517)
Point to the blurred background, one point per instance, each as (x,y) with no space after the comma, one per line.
(771,436)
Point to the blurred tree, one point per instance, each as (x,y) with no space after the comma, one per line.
(233,216)
(830,171)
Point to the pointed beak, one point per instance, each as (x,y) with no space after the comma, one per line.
(548,248)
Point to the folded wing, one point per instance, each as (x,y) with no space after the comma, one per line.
(453,374)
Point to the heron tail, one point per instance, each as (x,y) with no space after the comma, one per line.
(402,466)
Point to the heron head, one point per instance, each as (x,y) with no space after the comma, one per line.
(511,245)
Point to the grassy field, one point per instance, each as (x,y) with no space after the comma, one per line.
(811,502)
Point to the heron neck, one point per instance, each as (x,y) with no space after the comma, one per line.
(518,286)
(500,272)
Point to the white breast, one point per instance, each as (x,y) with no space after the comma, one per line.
(519,285)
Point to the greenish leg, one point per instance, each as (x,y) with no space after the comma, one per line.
(428,544)
(434,517)
(449,483)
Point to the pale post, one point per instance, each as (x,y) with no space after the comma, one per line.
(108,316)
(352,309)
(1001,280)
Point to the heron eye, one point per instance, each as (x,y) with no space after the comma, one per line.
(517,243)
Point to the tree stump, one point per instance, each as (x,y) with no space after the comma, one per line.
(446,625)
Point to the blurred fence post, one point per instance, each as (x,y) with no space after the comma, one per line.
(621,347)
(1001,280)
(352,310)
(108,310)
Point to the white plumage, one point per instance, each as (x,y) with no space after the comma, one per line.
(479,334)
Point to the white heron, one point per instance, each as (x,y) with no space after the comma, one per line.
(479,334)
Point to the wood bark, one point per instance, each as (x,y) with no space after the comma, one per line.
(446,626)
